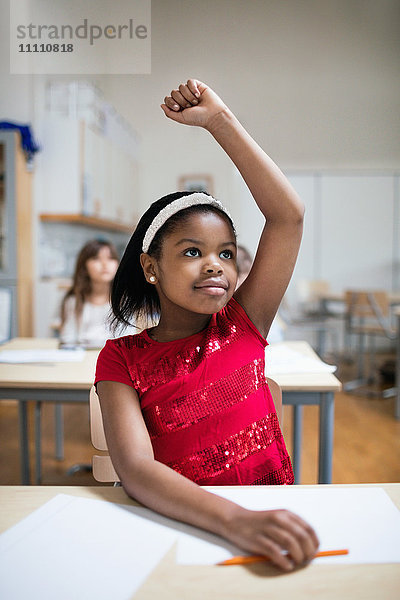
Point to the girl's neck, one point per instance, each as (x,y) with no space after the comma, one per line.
(169,330)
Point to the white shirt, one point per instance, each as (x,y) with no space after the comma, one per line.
(93,328)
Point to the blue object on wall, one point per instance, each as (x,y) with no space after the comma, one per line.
(29,146)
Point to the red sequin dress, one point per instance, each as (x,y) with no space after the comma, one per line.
(205,401)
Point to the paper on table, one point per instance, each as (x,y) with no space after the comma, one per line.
(364,520)
(110,549)
(102,549)
(41,356)
(281,359)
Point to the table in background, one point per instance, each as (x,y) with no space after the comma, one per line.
(170,580)
(300,389)
(40,382)
(71,382)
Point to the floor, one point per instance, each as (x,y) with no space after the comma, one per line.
(366,442)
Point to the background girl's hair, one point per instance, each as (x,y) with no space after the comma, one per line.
(132,297)
(81,284)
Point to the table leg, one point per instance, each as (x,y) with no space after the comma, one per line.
(59,429)
(24,442)
(326,420)
(38,443)
(297,440)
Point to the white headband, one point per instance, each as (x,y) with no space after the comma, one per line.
(173,208)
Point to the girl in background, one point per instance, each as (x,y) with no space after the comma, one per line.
(185,403)
(86,306)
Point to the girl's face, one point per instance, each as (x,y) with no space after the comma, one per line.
(102,267)
(197,269)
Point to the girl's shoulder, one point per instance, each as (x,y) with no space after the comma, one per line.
(124,344)
(235,312)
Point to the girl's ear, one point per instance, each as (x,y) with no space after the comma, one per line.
(149,267)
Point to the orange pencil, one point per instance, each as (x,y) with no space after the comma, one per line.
(244,560)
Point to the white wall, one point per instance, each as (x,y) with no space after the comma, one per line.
(16,91)
(316,83)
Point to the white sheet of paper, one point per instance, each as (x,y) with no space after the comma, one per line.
(41,356)
(80,548)
(364,520)
(281,359)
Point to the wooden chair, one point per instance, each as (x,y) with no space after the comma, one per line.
(102,466)
(276,395)
(368,317)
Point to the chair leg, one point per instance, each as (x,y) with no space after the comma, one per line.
(360,380)
(361,356)
(372,362)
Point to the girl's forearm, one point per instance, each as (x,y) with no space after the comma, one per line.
(163,490)
(273,193)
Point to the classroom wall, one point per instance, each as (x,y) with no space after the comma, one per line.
(316,82)
(16,91)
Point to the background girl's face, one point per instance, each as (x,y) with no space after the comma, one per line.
(197,269)
(102,267)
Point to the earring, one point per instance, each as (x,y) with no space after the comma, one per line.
(152,279)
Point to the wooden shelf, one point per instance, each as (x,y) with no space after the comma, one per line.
(88,221)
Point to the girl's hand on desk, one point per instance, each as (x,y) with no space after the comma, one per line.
(193,103)
(272,532)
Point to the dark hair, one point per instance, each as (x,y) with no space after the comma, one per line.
(81,283)
(131,294)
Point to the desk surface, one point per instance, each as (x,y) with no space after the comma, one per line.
(80,375)
(305,382)
(257,581)
(71,375)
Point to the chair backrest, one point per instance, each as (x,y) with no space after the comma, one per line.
(310,290)
(276,393)
(102,466)
(368,307)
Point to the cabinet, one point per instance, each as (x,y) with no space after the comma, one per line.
(88,177)
(16,262)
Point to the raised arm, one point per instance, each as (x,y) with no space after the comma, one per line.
(261,293)
(160,488)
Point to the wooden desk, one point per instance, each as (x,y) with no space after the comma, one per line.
(170,581)
(299,389)
(71,382)
(58,382)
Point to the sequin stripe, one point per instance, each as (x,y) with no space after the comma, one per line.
(148,374)
(180,413)
(282,476)
(218,458)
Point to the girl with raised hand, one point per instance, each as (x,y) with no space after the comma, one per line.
(186,403)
